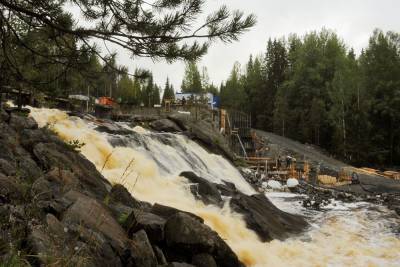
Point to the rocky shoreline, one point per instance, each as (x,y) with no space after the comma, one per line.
(57,209)
(319,196)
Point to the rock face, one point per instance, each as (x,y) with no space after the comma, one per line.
(166,212)
(165,125)
(183,233)
(205,134)
(112,128)
(265,219)
(143,254)
(203,189)
(55,205)
(151,223)
(260,214)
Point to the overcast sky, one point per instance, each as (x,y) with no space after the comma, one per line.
(352,20)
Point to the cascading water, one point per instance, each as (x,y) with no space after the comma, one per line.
(148,164)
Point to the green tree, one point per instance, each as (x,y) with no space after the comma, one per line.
(126,93)
(232,92)
(164,29)
(380,66)
(192,79)
(168,92)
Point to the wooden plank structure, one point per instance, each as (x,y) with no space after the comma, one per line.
(236,126)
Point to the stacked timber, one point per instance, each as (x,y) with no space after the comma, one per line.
(327,180)
(392,175)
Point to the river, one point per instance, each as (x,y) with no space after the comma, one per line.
(148,165)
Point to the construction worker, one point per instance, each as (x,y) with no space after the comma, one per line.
(288,161)
(279,162)
(354,178)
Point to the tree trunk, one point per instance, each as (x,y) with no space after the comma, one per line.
(344,130)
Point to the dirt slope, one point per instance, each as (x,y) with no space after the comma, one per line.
(369,183)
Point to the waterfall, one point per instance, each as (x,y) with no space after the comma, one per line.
(148,165)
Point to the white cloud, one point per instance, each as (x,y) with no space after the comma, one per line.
(353,20)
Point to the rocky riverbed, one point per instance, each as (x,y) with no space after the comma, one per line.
(377,191)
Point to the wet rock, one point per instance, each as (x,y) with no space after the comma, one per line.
(180,264)
(151,223)
(120,194)
(96,245)
(226,189)
(205,191)
(142,252)
(29,138)
(144,118)
(9,190)
(55,226)
(19,123)
(42,245)
(203,260)
(64,178)
(166,212)
(165,125)
(52,156)
(120,211)
(94,215)
(265,219)
(7,168)
(112,128)
(161,260)
(203,132)
(27,167)
(183,233)
(41,190)
(16,156)
(8,141)
(4,117)
(53,245)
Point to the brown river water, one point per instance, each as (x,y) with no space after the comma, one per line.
(148,164)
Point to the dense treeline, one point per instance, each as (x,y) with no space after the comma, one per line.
(64,72)
(196,82)
(43,49)
(316,90)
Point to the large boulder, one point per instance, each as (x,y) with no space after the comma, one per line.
(120,194)
(112,128)
(9,190)
(227,189)
(19,123)
(52,245)
(151,223)
(142,252)
(265,219)
(161,260)
(95,216)
(203,189)
(185,234)
(4,115)
(203,260)
(166,212)
(165,125)
(205,134)
(7,168)
(144,118)
(54,156)
(12,154)
(179,264)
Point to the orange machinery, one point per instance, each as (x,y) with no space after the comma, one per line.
(107,101)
